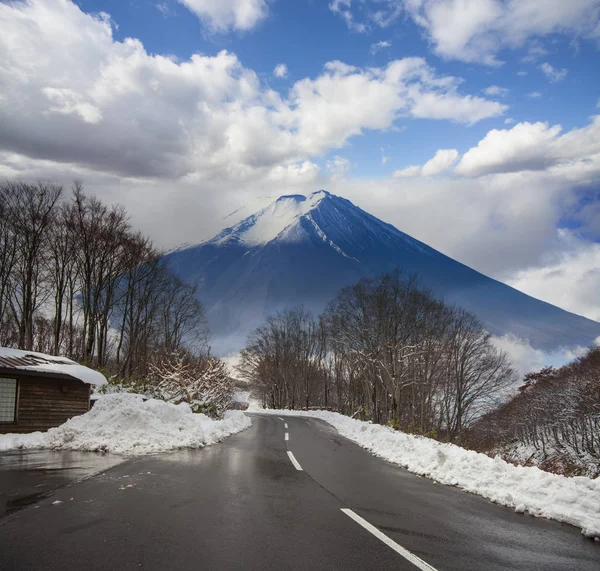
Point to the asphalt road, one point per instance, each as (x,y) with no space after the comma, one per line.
(242,504)
(29,476)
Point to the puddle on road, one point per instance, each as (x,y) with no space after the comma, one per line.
(24,472)
(24,501)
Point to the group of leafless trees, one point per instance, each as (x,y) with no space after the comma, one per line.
(556,413)
(77,280)
(384,350)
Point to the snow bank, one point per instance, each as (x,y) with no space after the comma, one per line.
(125,424)
(527,489)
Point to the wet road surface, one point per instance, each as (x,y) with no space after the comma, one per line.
(29,476)
(243,504)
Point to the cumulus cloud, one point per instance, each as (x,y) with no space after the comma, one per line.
(553,74)
(477,30)
(533,147)
(280,70)
(122,110)
(495,91)
(224,15)
(442,161)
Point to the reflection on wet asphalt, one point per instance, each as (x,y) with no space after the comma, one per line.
(28,476)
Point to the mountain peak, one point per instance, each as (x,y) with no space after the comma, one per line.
(274,221)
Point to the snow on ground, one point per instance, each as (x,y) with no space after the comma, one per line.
(563,459)
(126,424)
(526,489)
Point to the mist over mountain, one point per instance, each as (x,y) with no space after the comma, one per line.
(304,249)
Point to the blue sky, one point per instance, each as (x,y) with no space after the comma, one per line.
(472,125)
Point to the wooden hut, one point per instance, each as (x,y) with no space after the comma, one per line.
(39,391)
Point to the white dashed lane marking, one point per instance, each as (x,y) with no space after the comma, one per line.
(294,461)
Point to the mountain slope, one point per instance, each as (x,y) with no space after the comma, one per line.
(304,249)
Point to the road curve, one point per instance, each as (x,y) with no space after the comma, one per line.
(247,504)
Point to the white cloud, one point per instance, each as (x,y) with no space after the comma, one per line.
(510,150)
(553,74)
(495,91)
(534,94)
(344,9)
(477,30)
(535,147)
(280,70)
(299,173)
(442,161)
(462,109)
(509,121)
(521,73)
(164,8)
(363,15)
(384,159)
(569,278)
(340,168)
(383,44)
(525,359)
(69,102)
(408,172)
(535,51)
(201,118)
(224,15)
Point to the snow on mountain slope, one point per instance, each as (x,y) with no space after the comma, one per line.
(271,222)
(303,250)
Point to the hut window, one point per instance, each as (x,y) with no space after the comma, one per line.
(8,400)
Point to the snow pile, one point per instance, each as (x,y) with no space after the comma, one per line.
(527,489)
(43,363)
(126,424)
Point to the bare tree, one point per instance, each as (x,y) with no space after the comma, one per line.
(29,211)
(100,234)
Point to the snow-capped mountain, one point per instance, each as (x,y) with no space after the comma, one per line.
(304,249)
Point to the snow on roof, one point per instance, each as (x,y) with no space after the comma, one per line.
(42,363)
